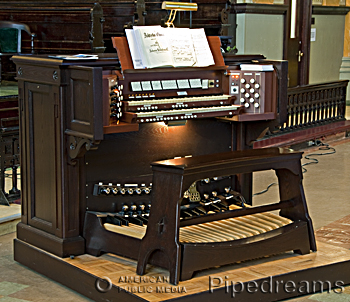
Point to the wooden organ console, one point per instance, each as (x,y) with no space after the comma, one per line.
(89,132)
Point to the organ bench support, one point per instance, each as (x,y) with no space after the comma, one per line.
(178,174)
(160,243)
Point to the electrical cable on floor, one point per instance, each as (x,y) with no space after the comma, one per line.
(322,147)
(264,191)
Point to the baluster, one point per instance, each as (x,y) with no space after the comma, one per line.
(289,112)
(299,107)
(314,107)
(301,110)
(295,111)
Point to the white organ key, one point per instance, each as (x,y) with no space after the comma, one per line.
(187,111)
(179,100)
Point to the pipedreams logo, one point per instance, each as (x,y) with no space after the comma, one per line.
(269,286)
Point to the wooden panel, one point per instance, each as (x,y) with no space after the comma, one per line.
(43,170)
(126,157)
(329,263)
(48,75)
(84,113)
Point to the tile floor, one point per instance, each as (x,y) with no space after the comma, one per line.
(327,193)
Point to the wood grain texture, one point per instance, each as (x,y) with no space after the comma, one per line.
(215,231)
(121,271)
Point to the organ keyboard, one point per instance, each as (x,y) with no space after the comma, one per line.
(215,231)
(184,102)
(180,114)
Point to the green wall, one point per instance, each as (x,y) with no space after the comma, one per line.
(327,51)
(260,34)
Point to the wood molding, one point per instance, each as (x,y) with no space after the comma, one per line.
(330,10)
(62,247)
(246,8)
(80,274)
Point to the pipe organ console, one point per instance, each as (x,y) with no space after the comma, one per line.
(169,96)
(89,132)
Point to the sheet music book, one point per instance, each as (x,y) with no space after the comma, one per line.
(155,46)
(134,50)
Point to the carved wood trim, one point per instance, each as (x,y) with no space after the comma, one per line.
(246,8)
(330,10)
(77,146)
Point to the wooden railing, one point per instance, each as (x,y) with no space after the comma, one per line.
(315,105)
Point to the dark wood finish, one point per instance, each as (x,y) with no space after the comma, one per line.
(66,154)
(53,267)
(60,27)
(312,111)
(314,105)
(305,14)
(50,196)
(330,10)
(178,174)
(76,26)
(253,8)
(67,272)
(301,136)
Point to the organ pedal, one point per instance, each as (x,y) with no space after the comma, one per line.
(237,232)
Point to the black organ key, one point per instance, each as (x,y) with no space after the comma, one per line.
(194,211)
(142,218)
(135,220)
(200,210)
(186,213)
(114,220)
(217,201)
(207,202)
(148,209)
(215,207)
(123,220)
(141,209)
